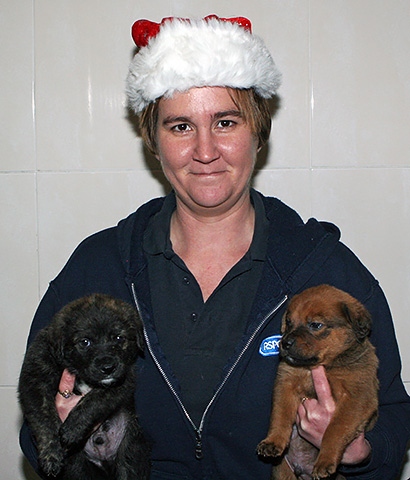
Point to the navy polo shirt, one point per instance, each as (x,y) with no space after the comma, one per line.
(199,337)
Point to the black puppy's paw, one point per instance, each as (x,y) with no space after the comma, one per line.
(51,460)
(70,435)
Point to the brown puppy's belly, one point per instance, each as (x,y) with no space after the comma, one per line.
(301,455)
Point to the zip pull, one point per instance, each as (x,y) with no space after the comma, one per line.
(198,448)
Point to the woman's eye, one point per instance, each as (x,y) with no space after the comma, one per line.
(225,123)
(182,127)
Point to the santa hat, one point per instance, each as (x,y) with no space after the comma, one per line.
(179,54)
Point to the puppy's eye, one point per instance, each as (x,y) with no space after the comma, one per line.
(119,338)
(315,326)
(84,342)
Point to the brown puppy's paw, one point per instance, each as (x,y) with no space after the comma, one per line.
(267,448)
(323,469)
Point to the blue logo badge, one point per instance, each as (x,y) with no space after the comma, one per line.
(270,346)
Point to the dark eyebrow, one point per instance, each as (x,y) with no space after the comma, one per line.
(217,116)
(228,113)
(171,119)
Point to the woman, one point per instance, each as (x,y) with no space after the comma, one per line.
(211,266)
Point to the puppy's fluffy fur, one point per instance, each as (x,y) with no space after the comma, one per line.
(97,338)
(322,326)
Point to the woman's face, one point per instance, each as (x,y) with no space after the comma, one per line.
(206,149)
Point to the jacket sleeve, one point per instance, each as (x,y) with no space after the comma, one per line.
(391,433)
(94,266)
(45,312)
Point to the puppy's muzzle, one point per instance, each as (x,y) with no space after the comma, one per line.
(292,354)
(287,342)
(107,366)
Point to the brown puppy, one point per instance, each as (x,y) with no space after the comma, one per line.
(322,326)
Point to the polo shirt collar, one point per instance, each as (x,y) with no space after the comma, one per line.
(157,235)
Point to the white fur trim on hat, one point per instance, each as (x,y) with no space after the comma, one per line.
(198,53)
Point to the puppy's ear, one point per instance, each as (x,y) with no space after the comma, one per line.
(140,339)
(56,336)
(283,326)
(359,317)
(137,326)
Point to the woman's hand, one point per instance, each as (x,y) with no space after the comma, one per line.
(66,400)
(314,416)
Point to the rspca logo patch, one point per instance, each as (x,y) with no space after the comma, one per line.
(270,346)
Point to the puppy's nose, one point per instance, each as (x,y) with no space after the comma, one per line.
(107,366)
(287,342)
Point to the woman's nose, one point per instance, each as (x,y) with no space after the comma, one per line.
(206,150)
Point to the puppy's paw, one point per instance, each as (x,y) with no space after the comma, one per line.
(52,461)
(269,448)
(323,469)
(69,436)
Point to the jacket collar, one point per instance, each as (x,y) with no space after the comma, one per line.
(296,250)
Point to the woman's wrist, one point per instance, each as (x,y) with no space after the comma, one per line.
(358,451)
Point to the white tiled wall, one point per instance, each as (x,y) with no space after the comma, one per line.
(71,163)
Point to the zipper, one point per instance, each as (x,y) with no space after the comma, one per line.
(198,431)
(164,375)
(246,346)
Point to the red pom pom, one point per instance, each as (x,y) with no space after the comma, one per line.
(241,21)
(143,30)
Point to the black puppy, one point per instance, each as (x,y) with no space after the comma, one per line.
(97,338)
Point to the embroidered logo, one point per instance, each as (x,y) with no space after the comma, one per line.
(270,346)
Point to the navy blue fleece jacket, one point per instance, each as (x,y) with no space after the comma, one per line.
(223,446)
